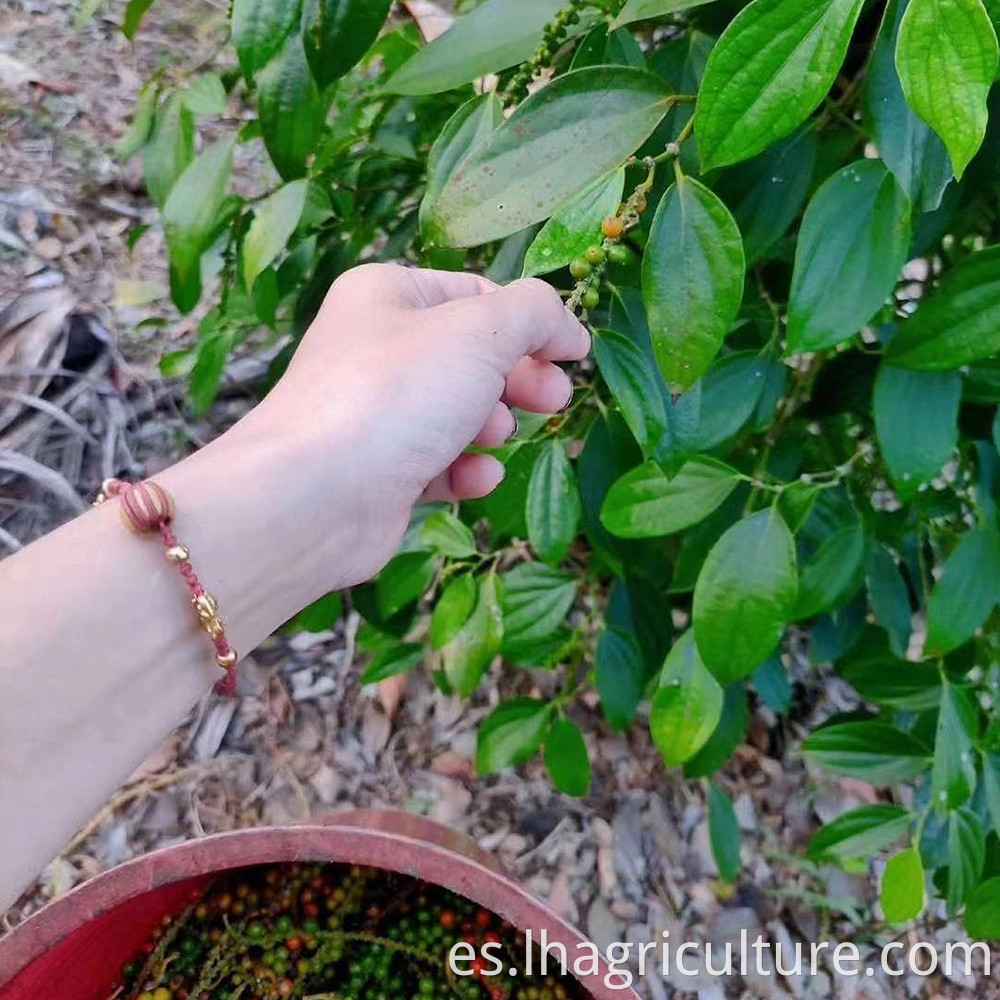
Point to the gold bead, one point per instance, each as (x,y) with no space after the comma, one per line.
(213,626)
(178,553)
(206,606)
(227,660)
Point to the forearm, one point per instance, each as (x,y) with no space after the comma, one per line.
(100,654)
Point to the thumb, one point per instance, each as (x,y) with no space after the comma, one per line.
(525,317)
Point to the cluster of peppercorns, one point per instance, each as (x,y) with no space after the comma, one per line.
(588,270)
(552,38)
(327,932)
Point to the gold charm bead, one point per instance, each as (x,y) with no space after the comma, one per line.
(206,606)
(213,626)
(178,554)
(228,660)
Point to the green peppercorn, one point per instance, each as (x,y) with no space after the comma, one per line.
(591,298)
(580,268)
(594,255)
(620,255)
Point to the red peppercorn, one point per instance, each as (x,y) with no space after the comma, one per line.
(293,944)
(483,919)
(478,968)
(311,910)
(447,919)
(491,937)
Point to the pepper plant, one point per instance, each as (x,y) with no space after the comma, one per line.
(780,219)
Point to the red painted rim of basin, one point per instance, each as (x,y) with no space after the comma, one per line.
(397,842)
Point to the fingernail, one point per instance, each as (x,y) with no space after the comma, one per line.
(513,433)
(569,398)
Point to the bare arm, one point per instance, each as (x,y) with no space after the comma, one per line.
(99,652)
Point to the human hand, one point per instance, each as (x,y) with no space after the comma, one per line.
(401,371)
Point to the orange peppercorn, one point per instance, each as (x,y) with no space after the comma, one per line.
(612,227)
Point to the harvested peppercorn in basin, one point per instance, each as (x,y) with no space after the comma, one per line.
(330,932)
(126,931)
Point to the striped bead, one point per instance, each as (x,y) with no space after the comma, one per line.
(145,506)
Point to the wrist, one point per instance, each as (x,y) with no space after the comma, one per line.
(275,518)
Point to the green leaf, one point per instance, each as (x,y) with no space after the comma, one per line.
(982,911)
(896,683)
(405,579)
(566,758)
(553,504)
(550,149)
(320,616)
(947,57)
(872,751)
(574,226)
(902,890)
(604,48)
(259,27)
(728,735)
(190,213)
(770,681)
(337,33)
(860,833)
(396,658)
(796,503)
(991,787)
(445,533)
(692,280)
(135,11)
(958,323)
(854,241)
(716,407)
(771,68)
(141,126)
(206,95)
(769,191)
(908,147)
(274,221)
(889,598)
(953,775)
(916,421)
(639,10)
(496,35)
(209,366)
(745,595)
(621,676)
(291,109)
(511,733)
(466,133)
(170,149)
(635,385)
(834,574)
(646,503)
(966,856)
(687,706)
(469,653)
(723,833)
(966,593)
(535,601)
(453,609)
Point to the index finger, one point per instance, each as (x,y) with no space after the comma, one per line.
(531,318)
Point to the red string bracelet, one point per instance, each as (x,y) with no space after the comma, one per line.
(146,508)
